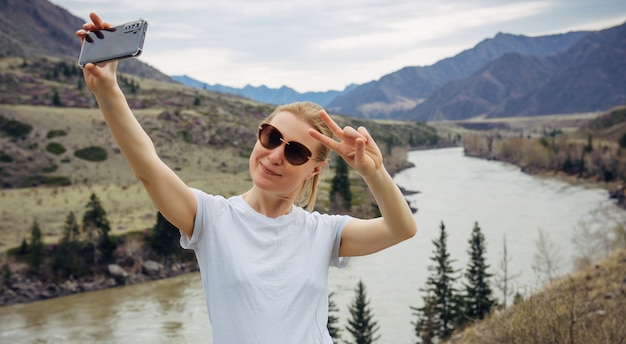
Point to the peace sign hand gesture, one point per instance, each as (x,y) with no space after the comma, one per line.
(356,147)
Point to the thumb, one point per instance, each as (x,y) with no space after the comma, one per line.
(93,70)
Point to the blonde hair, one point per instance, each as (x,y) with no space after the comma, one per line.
(308,112)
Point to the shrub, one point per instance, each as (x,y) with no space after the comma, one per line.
(36,180)
(14,128)
(92,153)
(54,133)
(55,148)
(50,168)
(5,157)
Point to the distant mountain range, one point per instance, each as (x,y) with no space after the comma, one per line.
(399,93)
(265,94)
(507,75)
(589,76)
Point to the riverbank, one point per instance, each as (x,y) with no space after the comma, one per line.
(19,287)
(615,189)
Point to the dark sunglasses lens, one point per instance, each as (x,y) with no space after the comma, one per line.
(269,136)
(296,153)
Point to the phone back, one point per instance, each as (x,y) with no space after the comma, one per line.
(120,42)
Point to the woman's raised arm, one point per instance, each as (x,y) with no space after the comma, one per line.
(172,197)
(360,236)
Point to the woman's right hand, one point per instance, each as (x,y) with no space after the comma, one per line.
(101,76)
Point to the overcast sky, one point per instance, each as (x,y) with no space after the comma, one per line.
(323,45)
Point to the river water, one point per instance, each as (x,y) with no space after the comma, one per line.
(453,189)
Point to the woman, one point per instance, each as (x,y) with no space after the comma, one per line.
(263,259)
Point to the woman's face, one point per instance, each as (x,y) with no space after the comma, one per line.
(269,168)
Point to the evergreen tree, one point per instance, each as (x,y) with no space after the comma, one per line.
(36,252)
(165,237)
(56,99)
(97,227)
(478,295)
(426,326)
(361,324)
(333,319)
(444,307)
(66,256)
(23,250)
(589,146)
(340,194)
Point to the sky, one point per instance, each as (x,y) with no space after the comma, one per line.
(327,45)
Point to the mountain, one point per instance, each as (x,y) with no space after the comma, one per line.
(590,76)
(30,28)
(398,92)
(265,94)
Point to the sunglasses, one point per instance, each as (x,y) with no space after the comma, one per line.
(295,153)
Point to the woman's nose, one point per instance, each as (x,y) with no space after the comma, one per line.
(277,155)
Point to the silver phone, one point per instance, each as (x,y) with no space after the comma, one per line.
(115,43)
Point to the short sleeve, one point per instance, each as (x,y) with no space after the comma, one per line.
(339,222)
(201,222)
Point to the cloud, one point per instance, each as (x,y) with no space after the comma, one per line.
(320,45)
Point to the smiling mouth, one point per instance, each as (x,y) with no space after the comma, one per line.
(268,171)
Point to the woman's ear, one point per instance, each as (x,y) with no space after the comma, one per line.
(317,169)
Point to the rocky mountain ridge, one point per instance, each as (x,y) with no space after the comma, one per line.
(32,28)
(588,77)
(394,94)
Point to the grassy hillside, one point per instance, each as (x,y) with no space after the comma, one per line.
(587,306)
(205,136)
(220,170)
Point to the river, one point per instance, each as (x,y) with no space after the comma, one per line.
(455,189)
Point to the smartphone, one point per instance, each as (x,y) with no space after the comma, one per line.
(115,43)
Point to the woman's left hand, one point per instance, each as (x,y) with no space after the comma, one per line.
(356,147)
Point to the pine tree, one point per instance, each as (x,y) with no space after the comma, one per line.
(445,303)
(66,256)
(361,324)
(333,319)
(165,237)
(36,253)
(340,194)
(97,227)
(478,300)
(56,99)
(426,326)
(23,250)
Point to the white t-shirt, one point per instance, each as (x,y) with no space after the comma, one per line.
(265,280)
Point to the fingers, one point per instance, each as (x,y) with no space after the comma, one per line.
(84,36)
(96,27)
(359,156)
(346,133)
(366,134)
(350,134)
(96,24)
(97,21)
(323,139)
(92,69)
(331,124)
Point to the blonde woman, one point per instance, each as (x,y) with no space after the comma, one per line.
(263,258)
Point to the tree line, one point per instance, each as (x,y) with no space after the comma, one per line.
(84,247)
(445,308)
